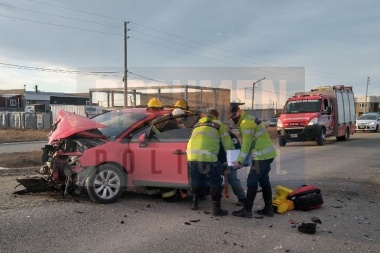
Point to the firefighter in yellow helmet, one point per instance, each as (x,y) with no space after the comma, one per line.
(182,104)
(154,104)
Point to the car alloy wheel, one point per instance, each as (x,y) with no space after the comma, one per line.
(105,184)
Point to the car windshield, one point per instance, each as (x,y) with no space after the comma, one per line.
(367,117)
(117,121)
(303,105)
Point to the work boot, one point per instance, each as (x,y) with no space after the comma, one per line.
(241,202)
(217,210)
(194,204)
(268,208)
(245,212)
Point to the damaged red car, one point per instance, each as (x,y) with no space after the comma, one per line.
(117,151)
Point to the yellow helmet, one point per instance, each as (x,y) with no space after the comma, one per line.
(181,104)
(154,103)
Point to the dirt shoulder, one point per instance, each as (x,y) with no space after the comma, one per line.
(17,135)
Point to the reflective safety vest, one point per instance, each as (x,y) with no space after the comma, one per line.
(255,138)
(205,140)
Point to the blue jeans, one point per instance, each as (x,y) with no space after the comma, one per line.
(235,183)
(259,173)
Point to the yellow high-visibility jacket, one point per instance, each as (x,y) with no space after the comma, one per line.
(255,138)
(205,139)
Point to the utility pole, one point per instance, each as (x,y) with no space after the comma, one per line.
(366,92)
(125,79)
(253,91)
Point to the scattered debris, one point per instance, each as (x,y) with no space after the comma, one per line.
(187,223)
(78,211)
(148,206)
(337,206)
(206,212)
(226,232)
(287,250)
(195,220)
(308,228)
(278,247)
(292,221)
(122,222)
(316,219)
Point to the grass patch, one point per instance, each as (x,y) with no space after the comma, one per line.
(21,159)
(15,135)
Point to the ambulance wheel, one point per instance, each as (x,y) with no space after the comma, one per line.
(282,142)
(321,137)
(346,135)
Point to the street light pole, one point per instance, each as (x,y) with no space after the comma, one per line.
(253,92)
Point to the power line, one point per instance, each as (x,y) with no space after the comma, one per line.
(71,9)
(23,67)
(61,16)
(171,34)
(65,26)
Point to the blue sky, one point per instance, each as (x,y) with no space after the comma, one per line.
(43,42)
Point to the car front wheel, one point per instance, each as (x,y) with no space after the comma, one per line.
(105,184)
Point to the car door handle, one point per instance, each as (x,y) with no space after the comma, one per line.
(179,152)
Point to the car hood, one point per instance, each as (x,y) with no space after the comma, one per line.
(67,124)
(366,121)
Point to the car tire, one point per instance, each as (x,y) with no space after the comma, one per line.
(105,184)
(282,142)
(376,129)
(321,137)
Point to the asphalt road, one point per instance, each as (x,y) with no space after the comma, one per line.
(21,146)
(346,172)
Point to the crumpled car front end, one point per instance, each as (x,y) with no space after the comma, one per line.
(70,137)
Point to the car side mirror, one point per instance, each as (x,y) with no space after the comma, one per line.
(142,140)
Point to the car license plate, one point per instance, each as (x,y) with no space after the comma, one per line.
(361,127)
(293,135)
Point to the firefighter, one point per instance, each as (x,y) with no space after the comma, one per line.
(255,139)
(202,150)
(232,178)
(182,104)
(154,104)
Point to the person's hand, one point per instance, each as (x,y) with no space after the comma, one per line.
(236,165)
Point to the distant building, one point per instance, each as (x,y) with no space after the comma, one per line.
(372,104)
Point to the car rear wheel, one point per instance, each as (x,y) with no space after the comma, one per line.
(105,184)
